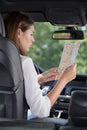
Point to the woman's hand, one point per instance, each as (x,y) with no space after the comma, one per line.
(53,74)
(48,75)
(69,74)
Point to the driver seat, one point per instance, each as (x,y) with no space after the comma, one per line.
(11,79)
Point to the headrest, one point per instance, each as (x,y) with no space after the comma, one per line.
(78,108)
(2,28)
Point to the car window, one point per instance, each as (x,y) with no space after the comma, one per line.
(46,52)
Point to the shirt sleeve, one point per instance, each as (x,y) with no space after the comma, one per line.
(39,105)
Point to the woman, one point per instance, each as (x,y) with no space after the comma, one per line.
(20,29)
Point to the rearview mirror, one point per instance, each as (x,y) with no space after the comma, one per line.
(68,35)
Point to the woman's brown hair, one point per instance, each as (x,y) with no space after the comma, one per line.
(16,20)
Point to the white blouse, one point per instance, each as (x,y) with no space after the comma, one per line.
(39,105)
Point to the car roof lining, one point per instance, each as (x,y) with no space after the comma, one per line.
(54,11)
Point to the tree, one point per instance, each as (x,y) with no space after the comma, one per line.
(46,52)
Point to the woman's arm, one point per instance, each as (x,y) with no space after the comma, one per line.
(68,75)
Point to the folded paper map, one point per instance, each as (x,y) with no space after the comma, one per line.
(69,54)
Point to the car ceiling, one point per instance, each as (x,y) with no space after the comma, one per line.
(54,11)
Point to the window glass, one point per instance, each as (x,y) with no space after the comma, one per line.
(46,52)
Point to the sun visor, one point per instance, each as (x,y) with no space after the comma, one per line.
(66,16)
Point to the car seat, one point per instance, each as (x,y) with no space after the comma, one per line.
(77,111)
(11,79)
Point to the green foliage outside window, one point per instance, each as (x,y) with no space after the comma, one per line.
(46,52)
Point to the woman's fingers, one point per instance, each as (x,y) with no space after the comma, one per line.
(70,73)
(50,74)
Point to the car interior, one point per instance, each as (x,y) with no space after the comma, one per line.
(11,85)
(70,110)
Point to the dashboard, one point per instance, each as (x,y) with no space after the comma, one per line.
(60,108)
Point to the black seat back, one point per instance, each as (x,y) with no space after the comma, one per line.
(77,112)
(78,108)
(11,78)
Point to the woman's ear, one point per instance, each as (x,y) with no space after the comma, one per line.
(19,32)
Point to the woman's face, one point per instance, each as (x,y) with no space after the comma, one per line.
(26,38)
